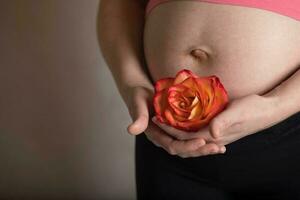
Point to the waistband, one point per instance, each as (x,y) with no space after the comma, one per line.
(289,8)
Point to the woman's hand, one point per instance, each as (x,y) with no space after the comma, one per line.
(139,103)
(242,117)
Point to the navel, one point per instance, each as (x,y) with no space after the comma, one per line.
(199,54)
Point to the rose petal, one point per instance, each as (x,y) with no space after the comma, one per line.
(189,82)
(220,96)
(206,92)
(170,118)
(196,112)
(179,118)
(195,88)
(163,84)
(160,103)
(195,101)
(186,125)
(187,89)
(177,88)
(175,105)
(182,75)
(202,99)
(192,125)
(174,94)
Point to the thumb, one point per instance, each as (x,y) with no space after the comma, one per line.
(140,113)
(221,123)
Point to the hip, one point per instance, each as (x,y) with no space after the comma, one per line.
(272,154)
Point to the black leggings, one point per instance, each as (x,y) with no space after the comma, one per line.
(264,165)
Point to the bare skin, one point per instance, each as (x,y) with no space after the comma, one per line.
(254,52)
(251,50)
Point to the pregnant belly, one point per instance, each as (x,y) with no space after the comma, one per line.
(250,50)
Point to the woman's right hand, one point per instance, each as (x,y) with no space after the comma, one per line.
(140,107)
(139,103)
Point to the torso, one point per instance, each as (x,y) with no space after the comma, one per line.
(250,50)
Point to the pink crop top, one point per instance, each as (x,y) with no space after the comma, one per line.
(290,8)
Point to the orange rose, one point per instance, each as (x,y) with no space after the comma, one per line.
(189,102)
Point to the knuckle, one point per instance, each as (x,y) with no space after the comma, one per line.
(217,125)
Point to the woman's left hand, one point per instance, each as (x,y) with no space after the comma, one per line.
(242,117)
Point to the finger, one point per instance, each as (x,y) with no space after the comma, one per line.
(149,134)
(208,149)
(158,138)
(172,146)
(140,113)
(217,127)
(220,125)
(183,146)
(183,135)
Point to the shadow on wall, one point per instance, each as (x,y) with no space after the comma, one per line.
(62,121)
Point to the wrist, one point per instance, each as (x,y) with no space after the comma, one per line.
(128,76)
(127,86)
(128,89)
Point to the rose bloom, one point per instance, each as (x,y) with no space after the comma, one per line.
(188,102)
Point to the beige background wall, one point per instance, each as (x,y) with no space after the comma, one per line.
(62,122)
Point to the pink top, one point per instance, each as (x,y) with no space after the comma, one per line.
(290,8)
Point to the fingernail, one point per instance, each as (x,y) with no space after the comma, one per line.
(223,149)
